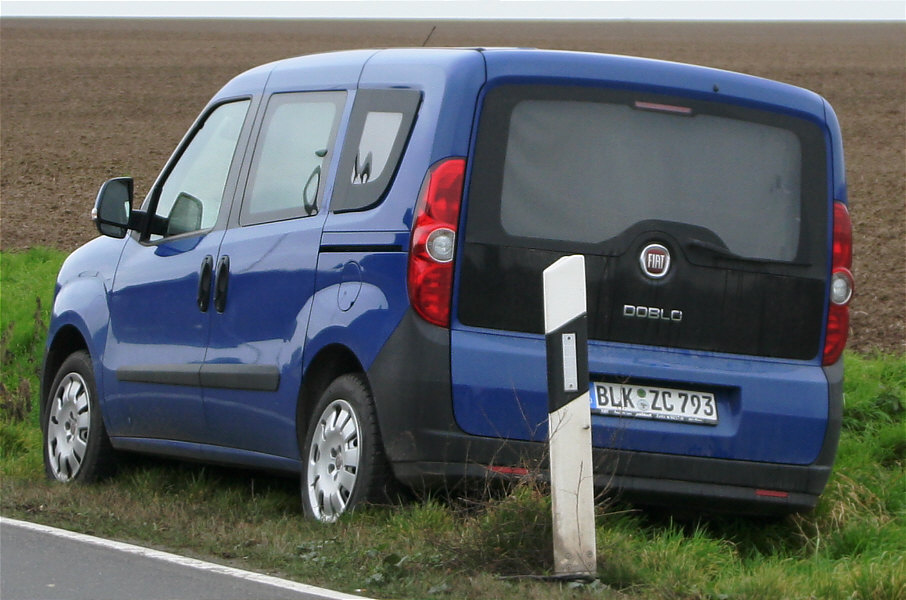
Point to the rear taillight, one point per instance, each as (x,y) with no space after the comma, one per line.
(434,241)
(841,286)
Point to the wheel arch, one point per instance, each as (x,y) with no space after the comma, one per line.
(330,362)
(66,341)
(79,321)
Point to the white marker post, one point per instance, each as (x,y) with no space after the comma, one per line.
(569,421)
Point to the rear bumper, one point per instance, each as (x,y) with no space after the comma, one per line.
(411,384)
(759,488)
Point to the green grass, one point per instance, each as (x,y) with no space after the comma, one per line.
(851,547)
(26,293)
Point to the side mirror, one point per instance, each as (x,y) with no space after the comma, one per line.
(113,207)
(185,216)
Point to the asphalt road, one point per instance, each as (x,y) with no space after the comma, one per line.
(43,563)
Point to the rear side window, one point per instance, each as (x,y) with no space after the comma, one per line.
(379,129)
(291,157)
(379,132)
(569,161)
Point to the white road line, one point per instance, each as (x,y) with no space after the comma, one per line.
(183,561)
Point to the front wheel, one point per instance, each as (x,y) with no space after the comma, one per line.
(76,446)
(343,462)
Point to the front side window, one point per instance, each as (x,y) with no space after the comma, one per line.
(289,166)
(192,193)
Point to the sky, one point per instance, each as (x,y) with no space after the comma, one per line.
(768,10)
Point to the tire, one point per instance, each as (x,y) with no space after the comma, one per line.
(343,462)
(76,446)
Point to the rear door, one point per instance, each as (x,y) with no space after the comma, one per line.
(703,225)
(265,276)
(731,202)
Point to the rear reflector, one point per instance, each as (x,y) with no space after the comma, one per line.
(509,470)
(841,286)
(433,241)
(772,494)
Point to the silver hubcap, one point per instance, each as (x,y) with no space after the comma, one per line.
(333,461)
(68,427)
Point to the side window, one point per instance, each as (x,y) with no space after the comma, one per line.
(192,193)
(379,128)
(378,134)
(288,168)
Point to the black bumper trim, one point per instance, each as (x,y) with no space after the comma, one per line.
(262,378)
(708,496)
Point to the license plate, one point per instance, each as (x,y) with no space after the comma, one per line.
(648,402)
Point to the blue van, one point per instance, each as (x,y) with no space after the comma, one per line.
(337,274)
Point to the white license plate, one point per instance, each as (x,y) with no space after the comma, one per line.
(648,402)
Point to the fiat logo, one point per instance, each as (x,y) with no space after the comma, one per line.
(655,261)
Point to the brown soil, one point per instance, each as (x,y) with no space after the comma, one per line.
(85,100)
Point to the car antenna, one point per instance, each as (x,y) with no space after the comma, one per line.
(430,33)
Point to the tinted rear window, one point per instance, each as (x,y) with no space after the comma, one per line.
(582,169)
(587,171)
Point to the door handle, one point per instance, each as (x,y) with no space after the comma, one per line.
(221,283)
(204,283)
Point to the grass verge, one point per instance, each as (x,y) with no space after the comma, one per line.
(851,547)
(26,294)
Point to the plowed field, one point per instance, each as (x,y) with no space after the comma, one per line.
(85,100)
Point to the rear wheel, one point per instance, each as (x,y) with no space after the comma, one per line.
(76,446)
(343,459)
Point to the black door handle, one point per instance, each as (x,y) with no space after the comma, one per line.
(221,283)
(204,283)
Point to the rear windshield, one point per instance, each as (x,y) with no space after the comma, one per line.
(567,162)
(582,166)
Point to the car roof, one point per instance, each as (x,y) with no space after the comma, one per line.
(343,69)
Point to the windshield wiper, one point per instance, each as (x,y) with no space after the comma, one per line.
(723,252)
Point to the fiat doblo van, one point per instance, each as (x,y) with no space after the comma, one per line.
(337,274)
